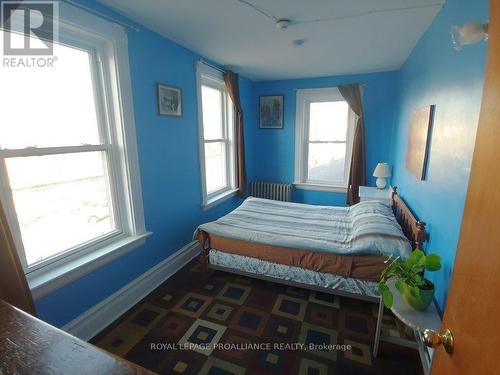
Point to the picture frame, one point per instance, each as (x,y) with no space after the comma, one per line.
(271,109)
(169,100)
(419,135)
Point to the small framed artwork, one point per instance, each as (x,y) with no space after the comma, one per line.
(271,111)
(169,100)
(418,141)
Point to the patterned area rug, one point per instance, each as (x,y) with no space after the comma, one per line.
(230,324)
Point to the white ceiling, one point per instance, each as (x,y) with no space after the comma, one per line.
(353,36)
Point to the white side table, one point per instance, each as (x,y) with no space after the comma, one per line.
(418,321)
(367,193)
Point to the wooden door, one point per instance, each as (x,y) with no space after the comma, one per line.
(473,305)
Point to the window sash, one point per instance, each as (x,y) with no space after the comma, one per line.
(110,39)
(326,182)
(105,119)
(222,93)
(307,125)
(209,82)
(226,156)
(207,77)
(304,99)
(9,206)
(43,151)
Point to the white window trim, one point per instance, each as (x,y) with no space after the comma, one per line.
(303,98)
(206,75)
(86,30)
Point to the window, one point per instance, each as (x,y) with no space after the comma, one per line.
(216,118)
(325,128)
(68,161)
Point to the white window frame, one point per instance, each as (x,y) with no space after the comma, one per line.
(107,44)
(208,76)
(304,98)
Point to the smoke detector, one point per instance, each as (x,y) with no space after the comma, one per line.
(283,23)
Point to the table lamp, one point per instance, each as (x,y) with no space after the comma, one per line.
(382,172)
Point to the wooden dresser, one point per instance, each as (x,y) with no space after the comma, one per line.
(30,346)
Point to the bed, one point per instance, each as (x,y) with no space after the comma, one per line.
(335,250)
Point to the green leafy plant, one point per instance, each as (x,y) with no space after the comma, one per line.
(408,274)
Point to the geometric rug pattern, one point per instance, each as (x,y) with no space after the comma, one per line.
(229,324)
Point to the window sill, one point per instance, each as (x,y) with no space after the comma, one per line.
(43,282)
(219,198)
(320,187)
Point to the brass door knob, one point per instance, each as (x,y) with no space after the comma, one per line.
(434,339)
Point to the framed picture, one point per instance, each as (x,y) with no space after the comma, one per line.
(271,111)
(418,141)
(169,100)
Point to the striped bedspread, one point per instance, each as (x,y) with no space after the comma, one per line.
(366,228)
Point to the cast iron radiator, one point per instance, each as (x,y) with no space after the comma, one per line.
(272,190)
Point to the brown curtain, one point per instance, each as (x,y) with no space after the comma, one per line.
(13,285)
(233,88)
(357,174)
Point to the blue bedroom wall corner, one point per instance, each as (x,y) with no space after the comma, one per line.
(453,81)
(275,149)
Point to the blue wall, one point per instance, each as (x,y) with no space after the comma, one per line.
(169,164)
(453,81)
(274,159)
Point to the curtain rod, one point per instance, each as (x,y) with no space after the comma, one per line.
(212,66)
(102,15)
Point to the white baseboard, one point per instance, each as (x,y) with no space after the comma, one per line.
(95,319)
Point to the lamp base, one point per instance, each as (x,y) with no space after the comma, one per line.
(381,183)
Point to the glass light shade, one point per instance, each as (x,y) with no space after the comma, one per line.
(382,170)
(470,33)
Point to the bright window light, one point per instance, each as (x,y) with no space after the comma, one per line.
(327,141)
(324,134)
(215,165)
(213,130)
(216,135)
(62,199)
(49,107)
(212,112)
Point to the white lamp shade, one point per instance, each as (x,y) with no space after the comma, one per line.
(382,170)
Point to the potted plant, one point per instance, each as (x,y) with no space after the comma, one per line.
(415,289)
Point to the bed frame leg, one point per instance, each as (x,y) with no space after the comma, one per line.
(378,329)
(202,237)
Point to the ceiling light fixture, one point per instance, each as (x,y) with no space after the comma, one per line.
(283,23)
(471,32)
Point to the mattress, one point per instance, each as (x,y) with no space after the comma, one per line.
(365,267)
(367,228)
(291,273)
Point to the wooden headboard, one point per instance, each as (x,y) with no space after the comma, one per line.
(413,229)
